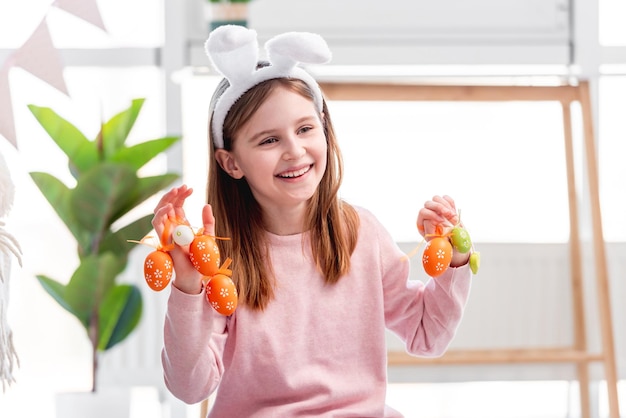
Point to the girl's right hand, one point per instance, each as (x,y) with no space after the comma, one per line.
(170,210)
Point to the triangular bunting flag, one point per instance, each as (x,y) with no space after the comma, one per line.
(87,10)
(7,124)
(39,57)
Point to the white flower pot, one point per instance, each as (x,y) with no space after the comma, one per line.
(104,403)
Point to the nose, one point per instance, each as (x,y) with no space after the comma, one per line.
(294,148)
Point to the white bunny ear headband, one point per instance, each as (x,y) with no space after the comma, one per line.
(233,51)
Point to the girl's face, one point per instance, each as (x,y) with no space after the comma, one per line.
(281,151)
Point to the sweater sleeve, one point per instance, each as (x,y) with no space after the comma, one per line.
(424,315)
(194,338)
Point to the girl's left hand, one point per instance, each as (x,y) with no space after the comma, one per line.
(440,210)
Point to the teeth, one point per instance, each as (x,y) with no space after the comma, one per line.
(292,174)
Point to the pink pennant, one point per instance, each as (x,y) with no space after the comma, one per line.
(7,124)
(39,57)
(87,10)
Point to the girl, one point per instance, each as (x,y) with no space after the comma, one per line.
(319,280)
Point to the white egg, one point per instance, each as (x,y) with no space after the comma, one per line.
(183,235)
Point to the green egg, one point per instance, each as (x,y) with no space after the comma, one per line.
(461,239)
(474,262)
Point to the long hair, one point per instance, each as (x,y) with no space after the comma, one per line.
(333,223)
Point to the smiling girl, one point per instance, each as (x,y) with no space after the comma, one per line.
(319,280)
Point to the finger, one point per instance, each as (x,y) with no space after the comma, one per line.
(178,204)
(161,215)
(166,199)
(450,201)
(430,229)
(435,211)
(427,220)
(444,203)
(176,196)
(162,221)
(182,194)
(208,220)
(454,218)
(176,199)
(446,208)
(426,213)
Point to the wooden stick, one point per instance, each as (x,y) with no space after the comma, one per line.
(494,356)
(604,296)
(578,303)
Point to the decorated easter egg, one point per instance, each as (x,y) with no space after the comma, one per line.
(437,256)
(221,294)
(158,270)
(205,255)
(461,239)
(183,235)
(474,262)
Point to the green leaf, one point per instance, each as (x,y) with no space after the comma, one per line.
(140,154)
(92,280)
(145,188)
(114,133)
(56,290)
(58,195)
(99,194)
(119,315)
(107,188)
(117,242)
(81,152)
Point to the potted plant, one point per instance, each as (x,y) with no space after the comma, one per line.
(107,187)
(227,12)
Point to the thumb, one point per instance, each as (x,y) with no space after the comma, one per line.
(208,220)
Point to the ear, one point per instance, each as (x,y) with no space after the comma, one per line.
(226,160)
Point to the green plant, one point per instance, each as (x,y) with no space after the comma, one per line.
(107,188)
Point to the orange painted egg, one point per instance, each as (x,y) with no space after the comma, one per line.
(221,294)
(205,255)
(158,270)
(437,256)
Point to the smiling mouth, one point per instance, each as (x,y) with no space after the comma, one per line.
(295,173)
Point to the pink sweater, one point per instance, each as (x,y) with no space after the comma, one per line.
(317,350)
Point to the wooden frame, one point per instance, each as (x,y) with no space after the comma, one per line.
(578,352)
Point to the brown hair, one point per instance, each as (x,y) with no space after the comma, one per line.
(333,223)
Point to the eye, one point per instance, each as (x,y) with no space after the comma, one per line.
(305,129)
(270,140)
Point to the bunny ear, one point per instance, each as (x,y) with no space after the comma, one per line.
(288,49)
(233,50)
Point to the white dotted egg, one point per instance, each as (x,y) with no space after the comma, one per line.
(183,235)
